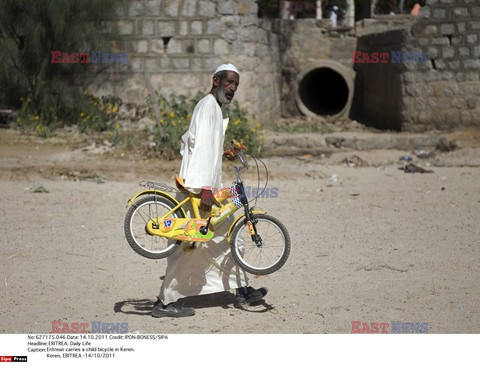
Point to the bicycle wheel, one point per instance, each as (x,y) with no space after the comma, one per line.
(138,215)
(267,258)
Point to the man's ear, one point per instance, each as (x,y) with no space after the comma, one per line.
(216,81)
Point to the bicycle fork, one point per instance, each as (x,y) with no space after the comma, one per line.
(250,221)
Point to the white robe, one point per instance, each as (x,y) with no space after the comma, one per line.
(202,146)
(209,268)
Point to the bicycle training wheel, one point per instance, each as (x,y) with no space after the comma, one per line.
(267,257)
(138,215)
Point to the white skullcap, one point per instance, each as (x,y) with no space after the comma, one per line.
(226,67)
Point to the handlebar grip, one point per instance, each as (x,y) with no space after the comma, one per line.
(238,145)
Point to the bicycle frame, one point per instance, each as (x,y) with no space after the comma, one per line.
(198,229)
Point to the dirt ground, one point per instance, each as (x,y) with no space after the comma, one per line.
(369,244)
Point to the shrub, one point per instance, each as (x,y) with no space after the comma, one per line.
(175,115)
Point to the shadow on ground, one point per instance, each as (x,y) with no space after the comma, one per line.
(225,300)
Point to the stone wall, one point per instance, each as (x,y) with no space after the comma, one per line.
(177,44)
(378,86)
(442,93)
(445,93)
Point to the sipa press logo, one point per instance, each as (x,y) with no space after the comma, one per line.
(391,327)
(13,359)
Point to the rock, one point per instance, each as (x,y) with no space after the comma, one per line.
(146,123)
(355,161)
(412,168)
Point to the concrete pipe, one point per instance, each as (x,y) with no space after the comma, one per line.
(325,89)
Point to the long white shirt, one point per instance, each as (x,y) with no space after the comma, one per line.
(209,268)
(202,146)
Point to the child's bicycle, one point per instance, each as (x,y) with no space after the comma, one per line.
(156,224)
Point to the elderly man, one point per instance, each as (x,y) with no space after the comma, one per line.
(207,268)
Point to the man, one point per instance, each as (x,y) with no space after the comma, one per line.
(208,267)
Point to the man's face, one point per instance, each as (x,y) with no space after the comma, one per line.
(226,87)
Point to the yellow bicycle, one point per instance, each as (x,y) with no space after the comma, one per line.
(156,223)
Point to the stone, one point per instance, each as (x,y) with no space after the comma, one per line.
(476,12)
(230,35)
(440,41)
(472,76)
(148,27)
(136,63)
(465,117)
(189,8)
(471,63)
(475,24)
(196,27)
(152,8)
(174,46)
(181,63)
(142,46)
(432,52)
(183,28)
(136,9)
(220,47)
(440,64)
(227,7)
(165,63)
(145,123)
(472,102)
(171,8)
(156,46)
(206,8)
(214,27)
(453,64)
(243,8)
(151,64)
(166,28)
(203,46)
(431,29)
(471,38)
(464,51)
(460,12)
(448,52)
(125,27)
(439,13)
(230,21)
(447,29)
(423,42)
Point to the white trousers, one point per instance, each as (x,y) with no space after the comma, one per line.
(209,268)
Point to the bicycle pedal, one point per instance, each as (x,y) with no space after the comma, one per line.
(190,247)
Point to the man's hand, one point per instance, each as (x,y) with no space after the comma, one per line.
(207,200)
(230,154)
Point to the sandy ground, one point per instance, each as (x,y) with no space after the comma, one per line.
(369,244)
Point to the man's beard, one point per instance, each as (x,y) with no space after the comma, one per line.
(221,95)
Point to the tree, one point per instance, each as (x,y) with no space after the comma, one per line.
(29,31)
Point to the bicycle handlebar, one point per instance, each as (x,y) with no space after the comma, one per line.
(238,148)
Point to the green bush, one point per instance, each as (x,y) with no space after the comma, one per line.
(99,113)
(175,115)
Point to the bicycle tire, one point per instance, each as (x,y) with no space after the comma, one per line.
(248,265)
(134,240)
